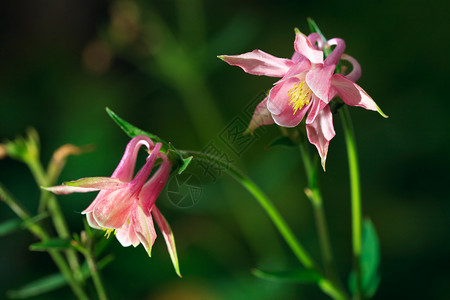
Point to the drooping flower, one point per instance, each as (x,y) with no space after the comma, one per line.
(125,205)
(307,85)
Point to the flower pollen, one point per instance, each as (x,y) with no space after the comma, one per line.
(108,232)
(300,95)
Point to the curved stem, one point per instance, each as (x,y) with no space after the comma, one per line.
(313,193)
(355,197)
(326,285)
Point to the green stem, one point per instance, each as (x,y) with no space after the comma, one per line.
(326,285)
(355,196)
(313,193)
(43,235)
(50,201)
(93,268)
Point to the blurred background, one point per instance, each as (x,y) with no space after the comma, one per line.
(154,63)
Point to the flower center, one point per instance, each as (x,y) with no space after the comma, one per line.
(299,95)
(108,232)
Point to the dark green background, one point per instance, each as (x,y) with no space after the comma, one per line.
(402,47)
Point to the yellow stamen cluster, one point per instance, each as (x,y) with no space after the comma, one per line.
(108,232)
(299,96)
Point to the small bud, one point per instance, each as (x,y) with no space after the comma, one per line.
(83,237)
(3,152)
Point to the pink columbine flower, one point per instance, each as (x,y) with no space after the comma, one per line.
(125,205)
(307,85)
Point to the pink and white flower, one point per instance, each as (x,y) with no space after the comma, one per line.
(125,205)
(307,85)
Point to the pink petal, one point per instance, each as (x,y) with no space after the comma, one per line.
(320,133)
(97,183)
(137,183)
(304,47)
(296,57)
(91,206)
(91,221)
(152,188)
(258,62)
(66,189)
(168,237)
(123,237)
(288,119)
(113,209)
(261,116)
(278,104)
(278,100)
(126,234)
(316,38)
(353,94)
(144,228)
(301,66)
(316,107)
(355,74)
(125,169)
(337,52)
(319,81)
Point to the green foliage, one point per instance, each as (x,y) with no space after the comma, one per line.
(53,244)
(38,287)
(130,130)
(25,149)
(185,164)
(51,282)
(12,225)
(370,261)
(314,28)
(298,275)
(9,226)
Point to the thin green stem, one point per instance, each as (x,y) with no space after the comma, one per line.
(43,235)
(355,197)
(65,270)
(59,222)
(297,248)
(93,268)
(313,193)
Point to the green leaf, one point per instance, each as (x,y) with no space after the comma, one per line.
(38,287)
(314,28)
(370,261)
(10,226)
(53,244)
(370,258)
(52,282)
(185,164)
(33,220)
(299,275)
(131,130)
